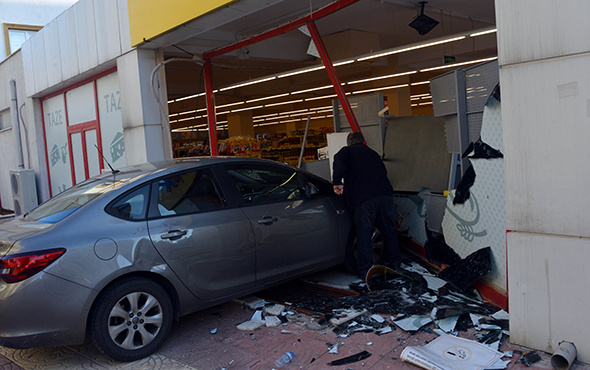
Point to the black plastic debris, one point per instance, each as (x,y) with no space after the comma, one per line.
(438,251)
(466,272)
(530,358)
(479,149)
(350,359)
(462,191)
(496,93)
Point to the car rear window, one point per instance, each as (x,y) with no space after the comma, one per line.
(67,202)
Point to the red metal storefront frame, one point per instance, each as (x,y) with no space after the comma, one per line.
(304,21)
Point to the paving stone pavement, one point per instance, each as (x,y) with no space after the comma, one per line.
(191,345)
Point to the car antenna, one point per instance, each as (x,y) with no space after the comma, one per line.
(111,167)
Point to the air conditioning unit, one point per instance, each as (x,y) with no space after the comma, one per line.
(24,190)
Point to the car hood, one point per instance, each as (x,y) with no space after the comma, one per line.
(15,229)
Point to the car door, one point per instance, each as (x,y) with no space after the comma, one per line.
(207,243)
(293,233)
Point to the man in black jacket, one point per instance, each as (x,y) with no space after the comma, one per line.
(359,174)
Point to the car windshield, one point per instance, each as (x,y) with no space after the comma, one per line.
(67,202)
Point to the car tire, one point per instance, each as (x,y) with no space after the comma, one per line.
(131,319)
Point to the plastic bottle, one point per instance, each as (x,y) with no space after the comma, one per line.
(284,359)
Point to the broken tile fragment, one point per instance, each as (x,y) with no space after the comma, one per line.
(250,325)
(377,318)
(274,310)
(272,321)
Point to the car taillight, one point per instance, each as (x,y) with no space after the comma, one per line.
(19,267)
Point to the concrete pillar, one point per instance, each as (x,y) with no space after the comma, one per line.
(240,124)
(145,126)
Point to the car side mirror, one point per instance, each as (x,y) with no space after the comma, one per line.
(310,190)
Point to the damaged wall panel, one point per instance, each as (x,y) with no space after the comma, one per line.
(481,221)
(412,212)
(416,155)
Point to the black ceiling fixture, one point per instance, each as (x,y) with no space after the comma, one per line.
(423,23)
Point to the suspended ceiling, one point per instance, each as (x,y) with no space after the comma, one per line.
(362,28)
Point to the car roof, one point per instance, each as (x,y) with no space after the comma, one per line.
(154,169)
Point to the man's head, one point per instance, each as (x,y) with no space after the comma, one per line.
(355,138)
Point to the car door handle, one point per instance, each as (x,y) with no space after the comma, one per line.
(268,220)
(174,234)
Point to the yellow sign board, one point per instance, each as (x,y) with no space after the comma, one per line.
(151,18)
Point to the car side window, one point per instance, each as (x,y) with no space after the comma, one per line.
(188,192)
(322,186)
(266,184)
(131,206)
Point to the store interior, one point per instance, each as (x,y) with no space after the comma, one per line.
(266,94)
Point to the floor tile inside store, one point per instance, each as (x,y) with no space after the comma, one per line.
(210,340)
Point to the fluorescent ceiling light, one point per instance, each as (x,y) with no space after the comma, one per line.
(381,77)
(301,71)
(188,119)
(420,83)
(230,104)
(291,120)
(419,95)
(247,108)
(257,81)
(189,97)
(267,115)
(458,64)
(308,113)
(413,47)
(427,103)
(482,33)
(267,98)
(310,90)
(284,102)
(344,62)
(380,89)
(293,111)
(267,124)
(321,97)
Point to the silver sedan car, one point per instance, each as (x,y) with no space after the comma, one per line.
(124,254)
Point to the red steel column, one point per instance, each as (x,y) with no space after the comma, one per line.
(211,118)
(319,43)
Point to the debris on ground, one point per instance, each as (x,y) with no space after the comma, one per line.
(350,359)
(530,358)
(449,352)
(411,298)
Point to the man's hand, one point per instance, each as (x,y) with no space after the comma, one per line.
(338,189)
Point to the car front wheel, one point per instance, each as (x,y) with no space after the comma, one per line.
(131,319)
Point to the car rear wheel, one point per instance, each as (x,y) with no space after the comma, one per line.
(131,319)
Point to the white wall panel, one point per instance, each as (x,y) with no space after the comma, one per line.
(29,71)
(86,35)
(548,288)
(107,30)
(52,53)
(124,30)
(546,115)
(39,65)
(67,44)
(529,30)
